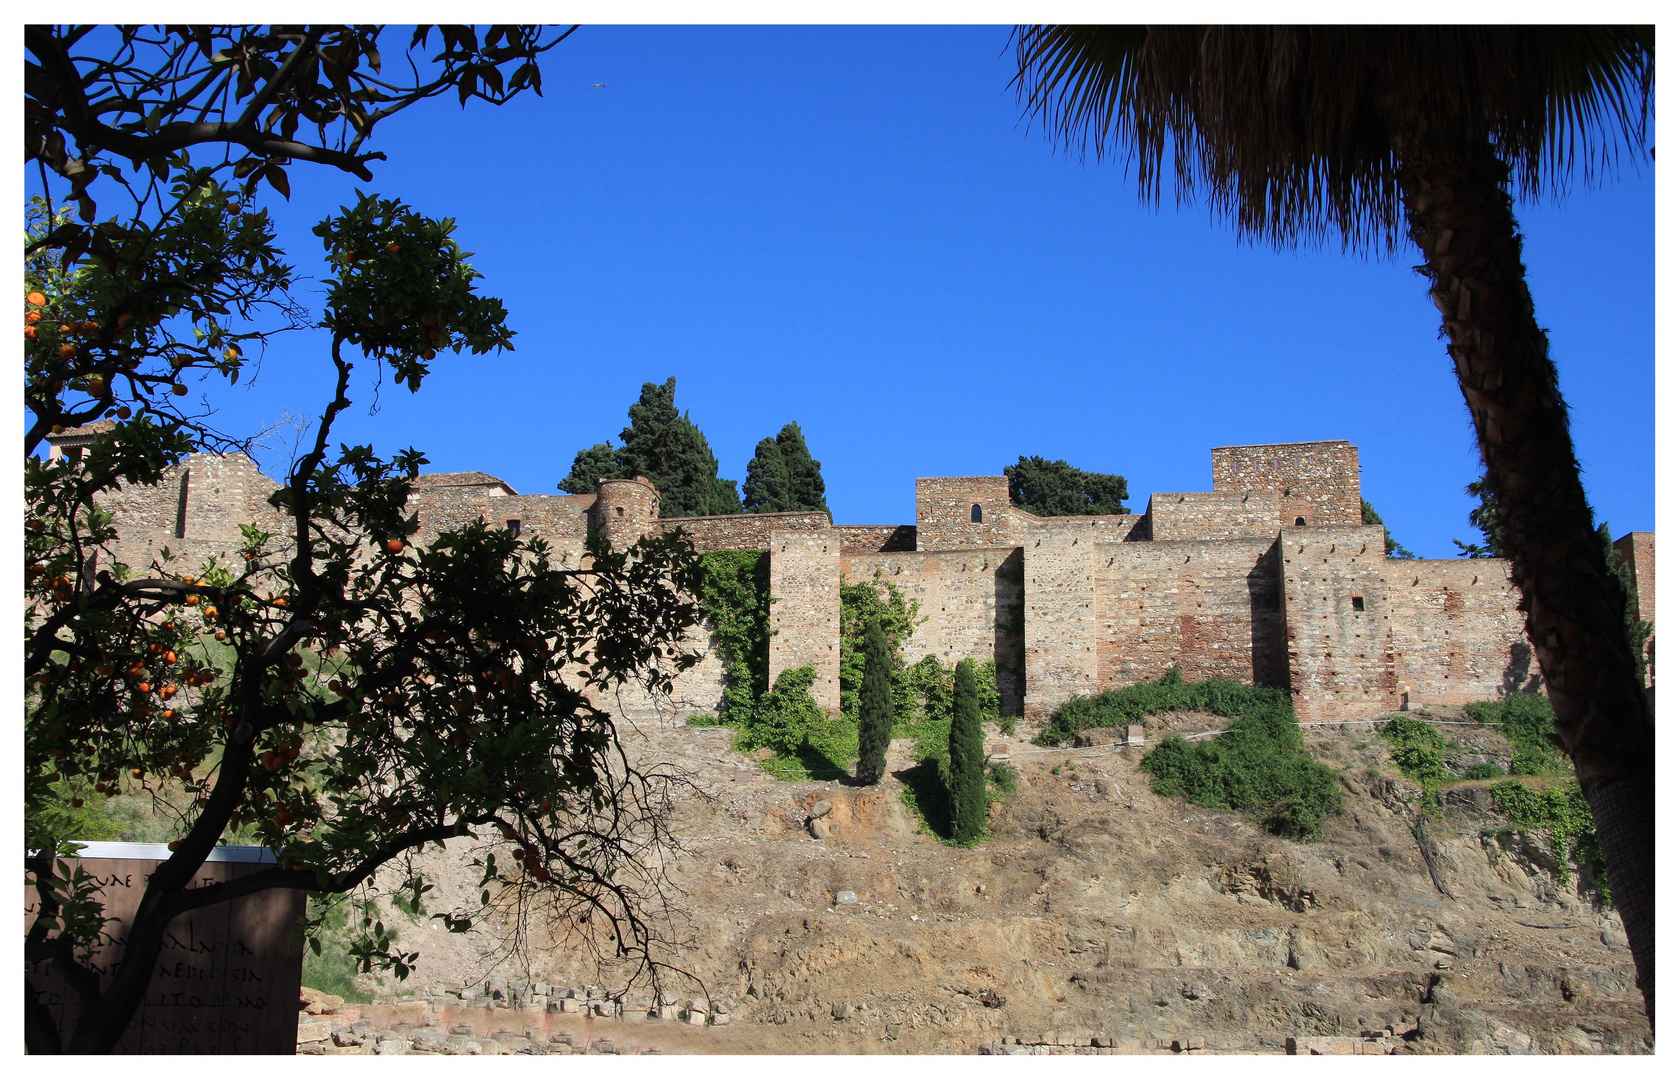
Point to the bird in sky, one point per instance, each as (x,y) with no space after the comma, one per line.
(599,86)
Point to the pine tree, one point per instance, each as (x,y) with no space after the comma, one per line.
(967,759)
(783,477)
(1391,547)
(599,462)
(665,446)
(1057,489)
(1486,518)
(875,705)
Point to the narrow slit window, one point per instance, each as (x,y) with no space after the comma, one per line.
(974,514)
(1359,603)
(513,526)
(181,507)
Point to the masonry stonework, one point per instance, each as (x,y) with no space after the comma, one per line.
(1222,583)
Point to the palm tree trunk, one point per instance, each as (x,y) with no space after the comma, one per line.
(1459,213)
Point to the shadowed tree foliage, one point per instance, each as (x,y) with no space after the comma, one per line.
(342,693)
(1484,517)
(875,705)
(1391,547)
(783,477)
(967,783)
(1376,136)
(1057,489)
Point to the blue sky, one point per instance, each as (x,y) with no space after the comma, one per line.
(853,228)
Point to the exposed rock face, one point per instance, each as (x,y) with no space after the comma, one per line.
(1098,918)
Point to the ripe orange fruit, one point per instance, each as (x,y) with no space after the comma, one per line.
(144,688)
(428,355)
(124,320)
(169,657)
(36,298)
(124,412)
(138,773)
(67,351)
(393,545)
(35,317)
(232,353)
(77,801)
(220,636)
(178,390)
(30,333)
(393,248)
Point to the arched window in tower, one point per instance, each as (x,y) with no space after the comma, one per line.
(181,507)
(974,514)
(1300,521)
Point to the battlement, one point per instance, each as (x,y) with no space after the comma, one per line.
(1268,579)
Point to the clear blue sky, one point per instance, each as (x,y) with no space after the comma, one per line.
(853,228)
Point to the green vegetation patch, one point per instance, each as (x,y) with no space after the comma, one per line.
(1259,766)
(1559,812)
(1526,720)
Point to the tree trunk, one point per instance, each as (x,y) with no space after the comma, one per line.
(1460,215)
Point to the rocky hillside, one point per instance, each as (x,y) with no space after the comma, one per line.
(1099,913)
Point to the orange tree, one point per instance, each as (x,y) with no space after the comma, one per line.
(343,694)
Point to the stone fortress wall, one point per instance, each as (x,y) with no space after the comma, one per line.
(1270,579)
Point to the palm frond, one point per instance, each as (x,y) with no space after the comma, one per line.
(1295,133)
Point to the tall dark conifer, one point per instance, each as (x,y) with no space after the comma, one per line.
(968,758)
(875,705)
(783,477)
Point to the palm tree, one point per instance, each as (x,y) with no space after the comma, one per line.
(1376,135)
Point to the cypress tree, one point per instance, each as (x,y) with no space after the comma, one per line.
(968,759)
(782,476)
(665,446)
(875,705)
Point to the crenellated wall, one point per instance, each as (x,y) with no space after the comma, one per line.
(1218,583)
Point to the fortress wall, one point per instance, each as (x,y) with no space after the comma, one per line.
(1318,481)
(1213,515)
(742,532)
(551,517)
(1341,664)
(1456,630)
(1639,551)
(969,601)
(1059,617)
(805,609)
(1212,607)
(1105,526)
(869,539)
(944,512)
(222,493)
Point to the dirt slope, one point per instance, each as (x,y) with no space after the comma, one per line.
(1098,909)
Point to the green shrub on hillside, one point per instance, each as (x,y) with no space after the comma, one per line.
(1259,765)
(1560,812)
(1526,720)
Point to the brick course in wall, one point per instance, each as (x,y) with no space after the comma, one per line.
(1217,583)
